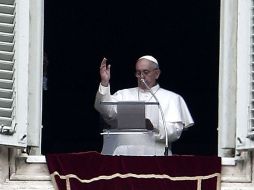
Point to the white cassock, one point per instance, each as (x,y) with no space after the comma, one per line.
(176,114)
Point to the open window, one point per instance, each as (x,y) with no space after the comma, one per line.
(21,50)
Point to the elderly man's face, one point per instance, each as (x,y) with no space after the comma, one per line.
(146,70)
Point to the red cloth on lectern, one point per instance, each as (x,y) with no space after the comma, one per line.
(133,172)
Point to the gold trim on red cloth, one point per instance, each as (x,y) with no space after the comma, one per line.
(140,176)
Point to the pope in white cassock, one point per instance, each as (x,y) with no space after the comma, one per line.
(174,118)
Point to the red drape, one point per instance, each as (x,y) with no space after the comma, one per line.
(91,170)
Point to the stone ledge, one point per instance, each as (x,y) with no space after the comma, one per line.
(27,185)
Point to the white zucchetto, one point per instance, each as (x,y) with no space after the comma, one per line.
(150,58)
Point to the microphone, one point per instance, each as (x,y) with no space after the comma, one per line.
(162,116)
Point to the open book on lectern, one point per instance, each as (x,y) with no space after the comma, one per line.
(131,115)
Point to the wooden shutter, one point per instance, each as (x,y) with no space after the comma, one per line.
(14,49)
(7,77)
(245,77)
(250,134)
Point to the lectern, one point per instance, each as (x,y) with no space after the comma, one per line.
(131,132)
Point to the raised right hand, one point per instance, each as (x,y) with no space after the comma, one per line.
(105,72)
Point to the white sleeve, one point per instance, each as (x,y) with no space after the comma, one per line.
(174,130)
(103,94)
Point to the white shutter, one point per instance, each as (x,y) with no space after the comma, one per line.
(245,78)
(13,64)
(250,133)
(7,88)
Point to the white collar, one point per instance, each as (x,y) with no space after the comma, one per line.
(154,89)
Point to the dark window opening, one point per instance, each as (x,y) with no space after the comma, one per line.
(183,36)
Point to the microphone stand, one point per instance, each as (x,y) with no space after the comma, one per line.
(162,116)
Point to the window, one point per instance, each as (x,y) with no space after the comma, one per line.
(21,33)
